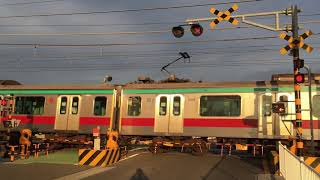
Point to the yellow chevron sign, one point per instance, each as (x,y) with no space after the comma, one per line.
(314,162)
(99,157)
(295,42)
(224,16)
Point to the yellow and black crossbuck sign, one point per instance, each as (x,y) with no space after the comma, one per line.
(314,162)
(295,42)
(224,16)
(99,157)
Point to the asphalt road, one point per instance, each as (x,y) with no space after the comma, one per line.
(145,166)
(174,166)
(37,171)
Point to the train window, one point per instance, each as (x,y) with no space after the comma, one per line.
(176,105)
(163,106)
(100,105)
(220,105)
(75,105)
(316,105)
(63,105)
(267,105)
(29,105)
(134,106)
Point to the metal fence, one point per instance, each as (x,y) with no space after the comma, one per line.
(293,168)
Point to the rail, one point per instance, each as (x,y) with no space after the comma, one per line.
(292,167)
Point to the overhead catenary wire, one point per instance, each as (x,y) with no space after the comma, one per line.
(37,45)
(168,54)
(30,3)
(127,10)
(136,43)
(136,66)
(126,32)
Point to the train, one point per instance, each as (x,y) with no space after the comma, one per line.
(171,108)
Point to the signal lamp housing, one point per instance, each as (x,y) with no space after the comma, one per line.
(178,31)
(196,30)
(298,63)
(299,78)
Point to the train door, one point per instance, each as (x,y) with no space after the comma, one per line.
(67,115)
(266,126)
(169,114)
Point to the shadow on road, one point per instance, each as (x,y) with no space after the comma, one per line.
(139,175)
(213,168)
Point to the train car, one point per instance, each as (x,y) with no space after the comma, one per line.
(65,109)
(240,110)
(237,110)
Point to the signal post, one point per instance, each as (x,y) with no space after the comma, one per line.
(297,87)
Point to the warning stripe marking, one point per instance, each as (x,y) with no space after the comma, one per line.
(224,16)
(294,43)
(98,157)
(314,162)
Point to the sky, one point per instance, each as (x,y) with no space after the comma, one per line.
(82,41)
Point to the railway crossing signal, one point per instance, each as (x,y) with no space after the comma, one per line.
(278,108)
(293,43)
(178,31)
(196,29)
(224,16)
(299,78)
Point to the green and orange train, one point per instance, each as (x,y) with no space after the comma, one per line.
(239,110)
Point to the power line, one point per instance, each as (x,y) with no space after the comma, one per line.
(138,66)
(127,24)
(135,43)
(196,54)
(168,53)
(37,45)
(127,10)
(28,3)
(124,32)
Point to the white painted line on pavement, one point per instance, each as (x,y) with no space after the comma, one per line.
(136,149)
(129,157)
(93,171)
(86,173)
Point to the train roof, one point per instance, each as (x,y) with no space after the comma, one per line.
(58,86)
(212,84)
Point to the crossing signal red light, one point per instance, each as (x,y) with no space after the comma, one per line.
(3,102)
(196,29)
(299,78)
(178,31)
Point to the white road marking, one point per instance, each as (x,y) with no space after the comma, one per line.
(136,149)
(129,157)
(86,173)
(93,171)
